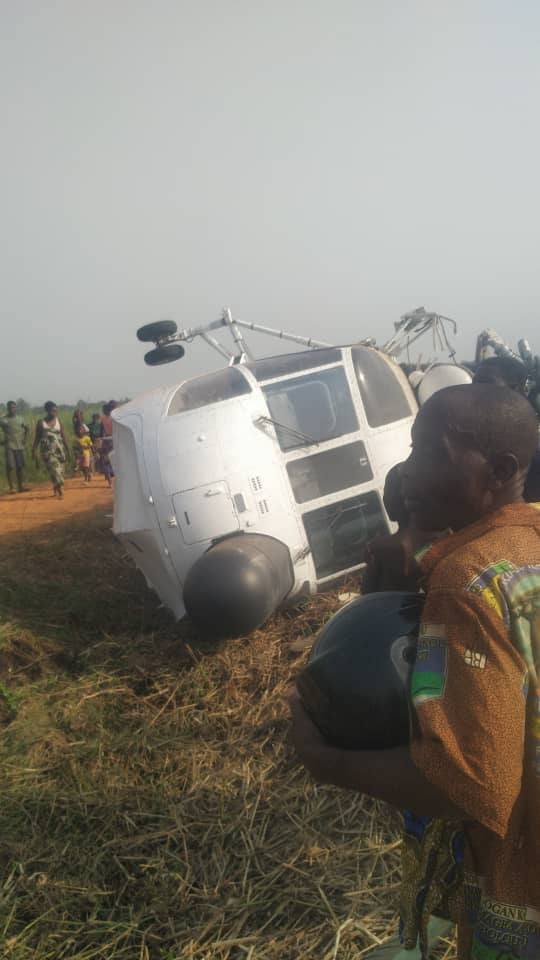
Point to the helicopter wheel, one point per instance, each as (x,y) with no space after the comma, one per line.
(154,331)
(165,354)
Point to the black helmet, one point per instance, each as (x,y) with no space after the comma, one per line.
(356,684)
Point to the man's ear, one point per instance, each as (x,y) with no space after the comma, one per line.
(504,467)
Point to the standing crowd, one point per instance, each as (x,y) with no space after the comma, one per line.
(92,446)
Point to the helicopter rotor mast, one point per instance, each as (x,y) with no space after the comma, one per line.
(413,325)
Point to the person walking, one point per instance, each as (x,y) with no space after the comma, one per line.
(106,445)
(51,440)
(84,449)
(15,433)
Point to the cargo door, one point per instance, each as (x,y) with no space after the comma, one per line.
(206,512)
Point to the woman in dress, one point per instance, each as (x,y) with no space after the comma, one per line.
(51,440)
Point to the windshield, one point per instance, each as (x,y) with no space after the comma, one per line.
(311,409)
(382,394)
(221,385)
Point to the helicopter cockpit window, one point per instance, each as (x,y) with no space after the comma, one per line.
(272,367)
(311,409)
(339,532)
(213,387)
(327,472)
(382,394)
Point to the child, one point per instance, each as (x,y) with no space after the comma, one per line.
(474,756)
(84,453)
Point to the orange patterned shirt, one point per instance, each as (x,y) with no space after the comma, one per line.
(476,692)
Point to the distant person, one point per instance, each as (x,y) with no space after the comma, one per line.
(51,440)
(106,419)
(78,421)
(15,433)
(95,428)
(84,453)
(106,444)
(511,372)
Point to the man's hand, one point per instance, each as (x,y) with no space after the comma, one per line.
(320,759)
(388,775)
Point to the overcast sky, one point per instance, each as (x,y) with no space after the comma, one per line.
(319,166)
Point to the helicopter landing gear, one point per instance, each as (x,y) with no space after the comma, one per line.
(157,331)
(164,354)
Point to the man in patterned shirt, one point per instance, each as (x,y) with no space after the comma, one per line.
(475,749)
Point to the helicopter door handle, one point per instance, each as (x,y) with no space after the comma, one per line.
(213,493)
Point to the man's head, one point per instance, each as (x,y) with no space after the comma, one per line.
(11,408)
(472,446)
(502,372)
(95,417)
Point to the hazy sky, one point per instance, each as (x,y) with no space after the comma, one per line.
(321,166)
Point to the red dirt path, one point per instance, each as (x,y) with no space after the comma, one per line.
(22,512)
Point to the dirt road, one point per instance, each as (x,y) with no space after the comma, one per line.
(22,512)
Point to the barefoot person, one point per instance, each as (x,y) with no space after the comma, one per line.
(474,756)
(15,433)
(84,450)
(51,441)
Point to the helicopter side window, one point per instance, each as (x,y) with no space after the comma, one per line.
(329,471)
(382,394)
(338,533)
(221,385)
(311,409)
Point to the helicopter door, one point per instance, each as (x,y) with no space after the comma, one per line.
(205,512)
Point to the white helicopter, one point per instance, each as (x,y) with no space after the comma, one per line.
(241,490)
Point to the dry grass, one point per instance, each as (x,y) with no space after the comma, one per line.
(150,806)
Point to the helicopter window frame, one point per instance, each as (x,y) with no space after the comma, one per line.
(334,381)
(287,364)
(329,471)
(383,396)
(325,542)
(229,383)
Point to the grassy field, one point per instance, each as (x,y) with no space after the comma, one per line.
(36,473)
(150,806)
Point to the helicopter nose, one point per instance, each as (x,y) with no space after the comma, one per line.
(237,584)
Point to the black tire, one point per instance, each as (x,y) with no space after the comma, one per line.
(153,331)
(166,354)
